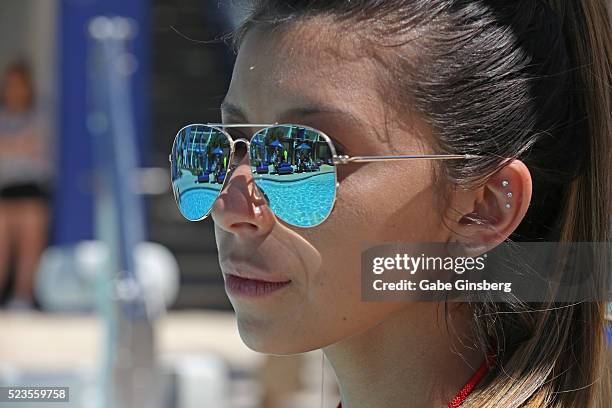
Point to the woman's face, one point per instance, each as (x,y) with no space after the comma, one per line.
(305,76)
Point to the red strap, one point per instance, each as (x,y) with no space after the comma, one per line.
(468,387)
(471,384)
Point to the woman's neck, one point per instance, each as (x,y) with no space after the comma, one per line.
(409,360)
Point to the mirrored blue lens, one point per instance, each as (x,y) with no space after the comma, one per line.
(200,157)
(293,167)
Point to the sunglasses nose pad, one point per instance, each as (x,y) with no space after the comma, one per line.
(266,197)
(259,193)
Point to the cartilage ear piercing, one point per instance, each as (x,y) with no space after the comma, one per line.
(506,183)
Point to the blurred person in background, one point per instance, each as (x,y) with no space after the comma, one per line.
(24,183)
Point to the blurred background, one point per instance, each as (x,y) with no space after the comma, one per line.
(104,287)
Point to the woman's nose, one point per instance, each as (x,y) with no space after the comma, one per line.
(242,208)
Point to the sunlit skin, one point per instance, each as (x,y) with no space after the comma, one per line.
(400,349)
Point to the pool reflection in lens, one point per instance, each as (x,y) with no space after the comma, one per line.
(293,166)
(200,157)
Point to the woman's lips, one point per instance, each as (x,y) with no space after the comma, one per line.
(237,285)
(243,279)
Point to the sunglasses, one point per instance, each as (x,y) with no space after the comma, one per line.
(293,166)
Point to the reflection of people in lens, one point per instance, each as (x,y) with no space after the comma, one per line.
(214,168)
(276,159)
(381,78)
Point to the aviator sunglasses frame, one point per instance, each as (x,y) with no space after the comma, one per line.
(336,159)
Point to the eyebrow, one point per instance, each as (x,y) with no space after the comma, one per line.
(235,111)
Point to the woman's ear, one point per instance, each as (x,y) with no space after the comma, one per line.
(485,217)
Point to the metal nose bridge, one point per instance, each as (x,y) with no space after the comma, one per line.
(242,139)
(233,165)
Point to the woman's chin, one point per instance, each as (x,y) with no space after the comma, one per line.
(263,340)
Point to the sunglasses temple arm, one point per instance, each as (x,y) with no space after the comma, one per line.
(348,159)
(241,125)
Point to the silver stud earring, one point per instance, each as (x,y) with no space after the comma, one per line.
(506,183)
